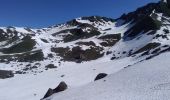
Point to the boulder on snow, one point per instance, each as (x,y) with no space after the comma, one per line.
(49,93)
(50,66)
(61,87)
(6,74)
(100,76)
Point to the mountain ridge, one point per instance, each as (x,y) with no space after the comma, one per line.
(80,49)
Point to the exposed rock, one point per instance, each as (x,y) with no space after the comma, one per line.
(50,66)
(44,40)
(27,44)
(30,57)
(6,74)
(85,25)
(61,87)
(49,93)
(97,19)
(24,57)
(148,47)
(73,22)
(90,43)
(144,25)
(78,55)
(100,76)
(80,34)
(111,36)
(110,40)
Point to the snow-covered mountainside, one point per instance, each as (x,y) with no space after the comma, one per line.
(131,52)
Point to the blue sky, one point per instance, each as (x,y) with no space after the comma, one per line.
(43,13)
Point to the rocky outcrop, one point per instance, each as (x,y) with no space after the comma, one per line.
(110,39)
(50,66)
(26,44)
(100,76)
(77,54)
(144,25)
(147,48)
(6,74)
(61,87)
(98,19)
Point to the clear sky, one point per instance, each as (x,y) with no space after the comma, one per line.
(43,13)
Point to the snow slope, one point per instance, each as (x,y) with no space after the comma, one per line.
(149,80)
(33,87)
(75,52)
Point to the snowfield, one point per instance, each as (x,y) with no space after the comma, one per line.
(149,80)
(133,51)
(34,87)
